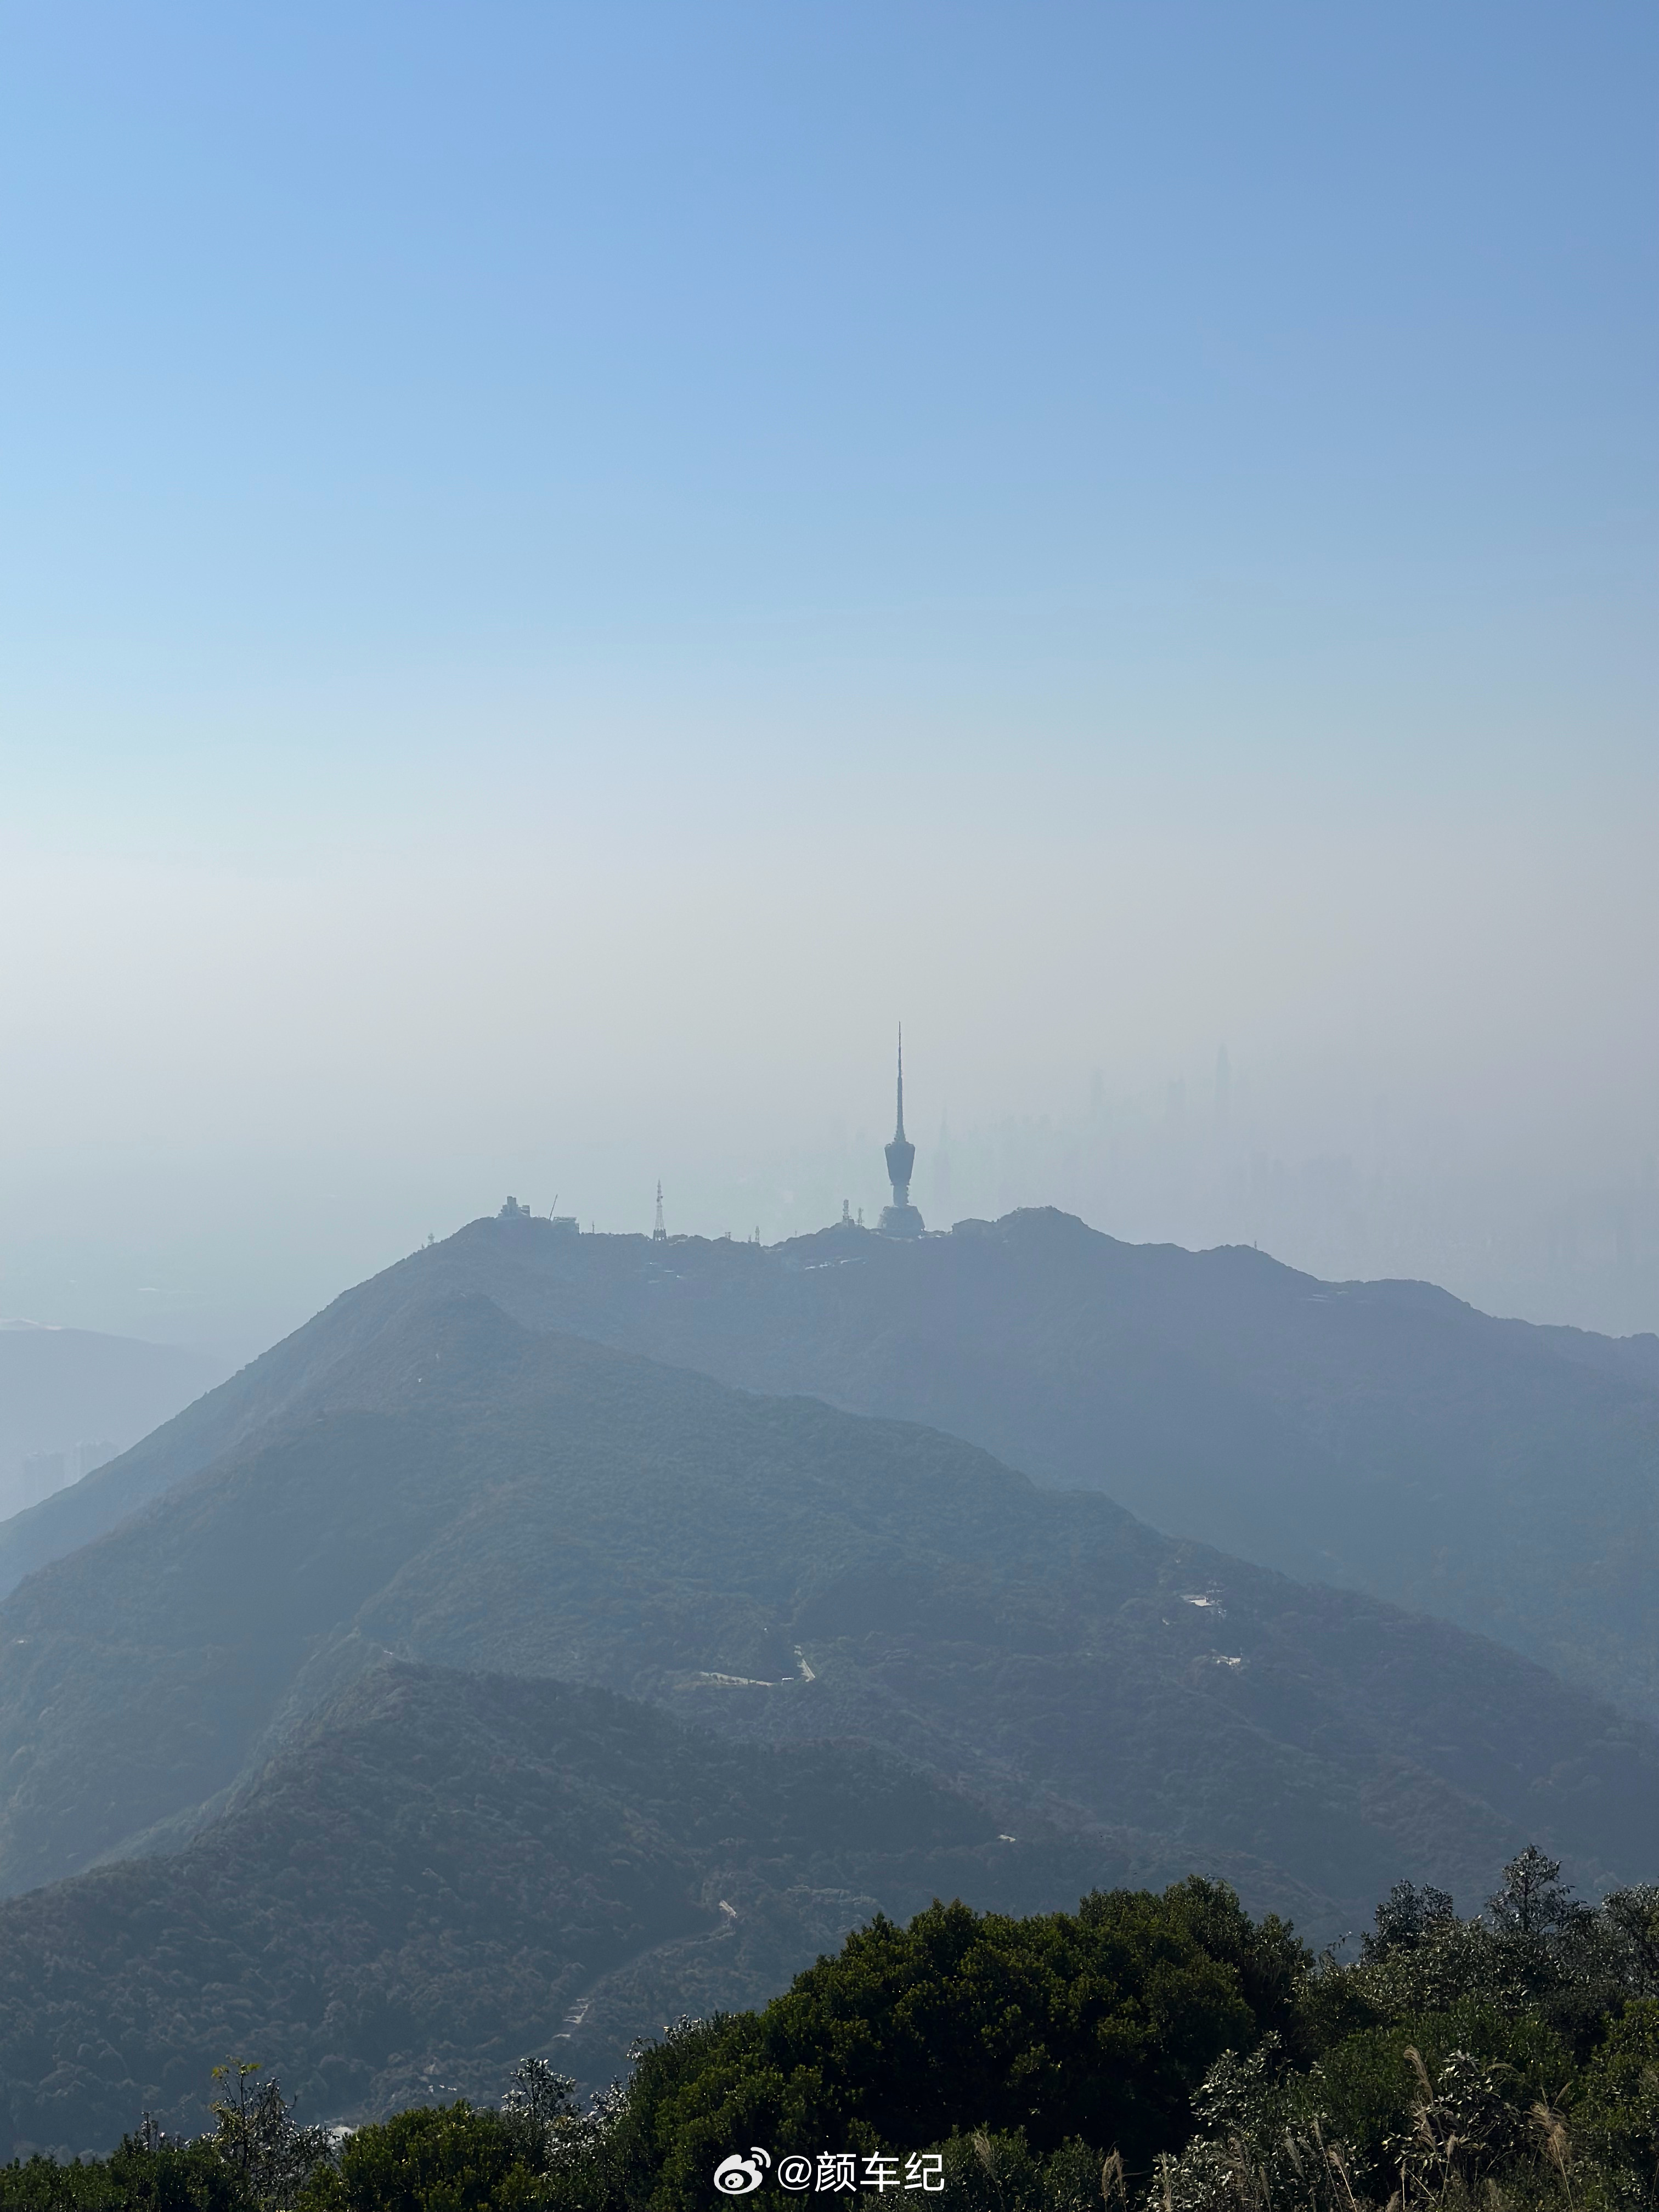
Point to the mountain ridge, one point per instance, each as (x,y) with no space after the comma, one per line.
(1386,1437)
(501,1500)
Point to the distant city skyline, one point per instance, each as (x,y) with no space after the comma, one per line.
(1187,1159)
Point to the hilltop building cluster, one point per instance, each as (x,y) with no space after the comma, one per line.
(901,1218)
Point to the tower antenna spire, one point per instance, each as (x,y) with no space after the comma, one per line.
(900,1217)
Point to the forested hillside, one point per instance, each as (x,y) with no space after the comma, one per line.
(1145,2051)
(248,1812)
(443,1871)
(780,1570)
(1381,1436)
(1160,2051)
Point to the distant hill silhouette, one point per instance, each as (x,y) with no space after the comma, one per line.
(441,1873)
(1381,1435)
(61,1387)
(467,1494)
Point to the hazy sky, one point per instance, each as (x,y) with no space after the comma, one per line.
(561,568)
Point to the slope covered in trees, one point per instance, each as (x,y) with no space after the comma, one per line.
(780,1570)
(442,1871)
(1381,1436)
(1146,2052)
(1167,2051)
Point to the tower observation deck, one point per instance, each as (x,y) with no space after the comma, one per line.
(901,1218)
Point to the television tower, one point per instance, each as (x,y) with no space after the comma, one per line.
(659,1235)
(901,1218)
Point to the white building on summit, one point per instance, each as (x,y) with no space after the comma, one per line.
(900,1217)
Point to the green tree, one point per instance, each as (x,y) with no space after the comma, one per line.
(257,2139)
(449,2158)
(1533,1900)
(1620,2099)
(142,2176)
(1407,1918)
(541,2112)
(1095,2025)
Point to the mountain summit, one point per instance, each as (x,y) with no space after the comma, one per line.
(1379,1436)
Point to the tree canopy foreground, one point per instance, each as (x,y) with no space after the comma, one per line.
(1151,2052)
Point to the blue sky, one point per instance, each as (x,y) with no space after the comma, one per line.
(482,487)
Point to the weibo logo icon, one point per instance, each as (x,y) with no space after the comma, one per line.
(737,2175)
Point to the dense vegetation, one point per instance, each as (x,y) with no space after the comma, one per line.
(1384,1436)
(476,1496)
(441,1869)
(915,1673)
(1152,2053)
(1380,1435)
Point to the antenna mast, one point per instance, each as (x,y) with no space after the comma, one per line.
(901,1218)
(659,1234)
